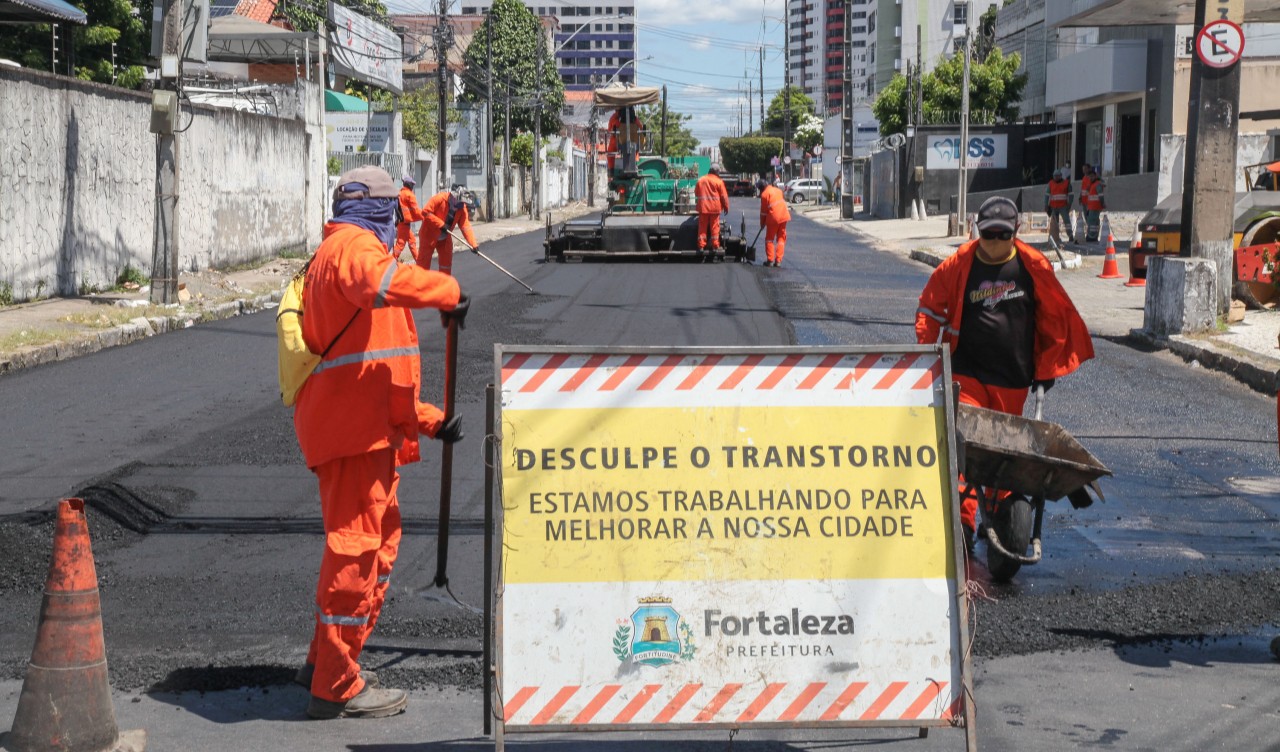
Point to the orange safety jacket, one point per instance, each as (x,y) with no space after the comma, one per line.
(1062,338)
(1096,200)
(1086,183)
(773,207)
(711,194)
(364,395)
(1059,194)
(409,206)
(442,212)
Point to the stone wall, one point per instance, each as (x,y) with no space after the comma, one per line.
(77,163)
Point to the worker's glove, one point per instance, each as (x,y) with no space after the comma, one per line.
(1047,384)
(451,431)
(443,234)
(459,312)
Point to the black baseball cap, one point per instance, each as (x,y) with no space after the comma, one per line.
(998,213)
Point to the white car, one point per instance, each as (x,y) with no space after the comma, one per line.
(806,189)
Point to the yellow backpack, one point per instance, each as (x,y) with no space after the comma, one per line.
(295,361)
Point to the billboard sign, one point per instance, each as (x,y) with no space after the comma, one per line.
(986,151)
(365,50)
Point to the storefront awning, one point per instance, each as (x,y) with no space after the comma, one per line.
(1050,134)
(336,101)
(39,11)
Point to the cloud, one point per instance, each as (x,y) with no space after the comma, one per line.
(683,14)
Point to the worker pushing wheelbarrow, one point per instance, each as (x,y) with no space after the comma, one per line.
(1010,327)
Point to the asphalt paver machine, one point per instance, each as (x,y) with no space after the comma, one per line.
(652,210)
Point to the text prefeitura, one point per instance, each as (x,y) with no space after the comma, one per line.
(741,457)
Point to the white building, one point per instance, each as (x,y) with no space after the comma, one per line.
(893,27)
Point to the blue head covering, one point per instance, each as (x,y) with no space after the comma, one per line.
(377,215)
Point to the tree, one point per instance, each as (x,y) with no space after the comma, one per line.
(985,41)
(749,156)
(809,133)
(995,90)
(127,24)
(801,105)
(420,116)
(307,15)
(680,140)
(518,40)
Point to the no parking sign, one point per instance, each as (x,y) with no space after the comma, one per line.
(1220,44)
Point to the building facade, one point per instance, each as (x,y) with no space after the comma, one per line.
(593,43)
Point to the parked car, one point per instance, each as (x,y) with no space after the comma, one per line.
(804,189)
(740,186)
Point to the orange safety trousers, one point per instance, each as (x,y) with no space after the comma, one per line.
(775,240)
(1003,399)
(405,236)
(362,536)
(443,250)
(709,226)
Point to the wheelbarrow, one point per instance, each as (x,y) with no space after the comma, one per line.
(1012,465)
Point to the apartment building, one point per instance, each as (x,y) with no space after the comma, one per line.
(899,29)
(592,42)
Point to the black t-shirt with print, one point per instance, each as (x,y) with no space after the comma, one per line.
(997,326)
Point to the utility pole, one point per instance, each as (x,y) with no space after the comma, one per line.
(750,97)
(443,42)
(846,118)
(488,118)
(506,158)
(919,98)
(663,149)
(961,198)
(593,125)
(762,88)
(786,101)
(535,203)
(165,247)
(1208,185)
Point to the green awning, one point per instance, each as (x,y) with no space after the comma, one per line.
(335,101)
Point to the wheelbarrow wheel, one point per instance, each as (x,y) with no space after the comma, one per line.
(1013,528)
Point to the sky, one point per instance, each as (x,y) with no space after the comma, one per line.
(704,51)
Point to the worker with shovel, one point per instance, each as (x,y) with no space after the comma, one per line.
(358,418)
(440,215)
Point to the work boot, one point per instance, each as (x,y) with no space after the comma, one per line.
(372,702)
(303,677)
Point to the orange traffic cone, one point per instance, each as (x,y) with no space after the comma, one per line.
(1134,280)
(1110,268)
(65,703)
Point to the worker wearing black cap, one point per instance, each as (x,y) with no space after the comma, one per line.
(1009,323)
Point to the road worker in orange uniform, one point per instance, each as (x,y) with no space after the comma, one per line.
(712,198)
(623,128)
(774,216)
(1087,177)
(1007,320)
(410,213)
(1057,204)
(445,211)
(358,418)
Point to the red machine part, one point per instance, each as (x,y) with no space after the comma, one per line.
(1257,263)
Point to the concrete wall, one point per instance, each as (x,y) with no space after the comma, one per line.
(1125,193)
(78,161)
(1251,148)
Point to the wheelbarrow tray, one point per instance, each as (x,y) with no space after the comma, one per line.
(1031,457)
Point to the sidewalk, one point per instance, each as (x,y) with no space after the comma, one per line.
(1248,351)
(55,329)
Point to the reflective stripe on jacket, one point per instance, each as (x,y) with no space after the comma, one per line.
(1062,338)
(364,395)
(1085,183)
(711,194)
(1058,194)
(773,207)
(1097,200)
(437,215)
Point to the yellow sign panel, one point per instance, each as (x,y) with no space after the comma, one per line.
(751,493)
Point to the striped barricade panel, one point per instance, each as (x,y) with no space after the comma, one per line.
(658,704)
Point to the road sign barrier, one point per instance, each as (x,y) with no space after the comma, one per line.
(728,538)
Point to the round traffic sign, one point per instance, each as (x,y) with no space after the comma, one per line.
(817,151)
(786,159)
(1220,44)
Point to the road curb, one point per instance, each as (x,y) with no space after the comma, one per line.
(1248,370)
(132,331)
